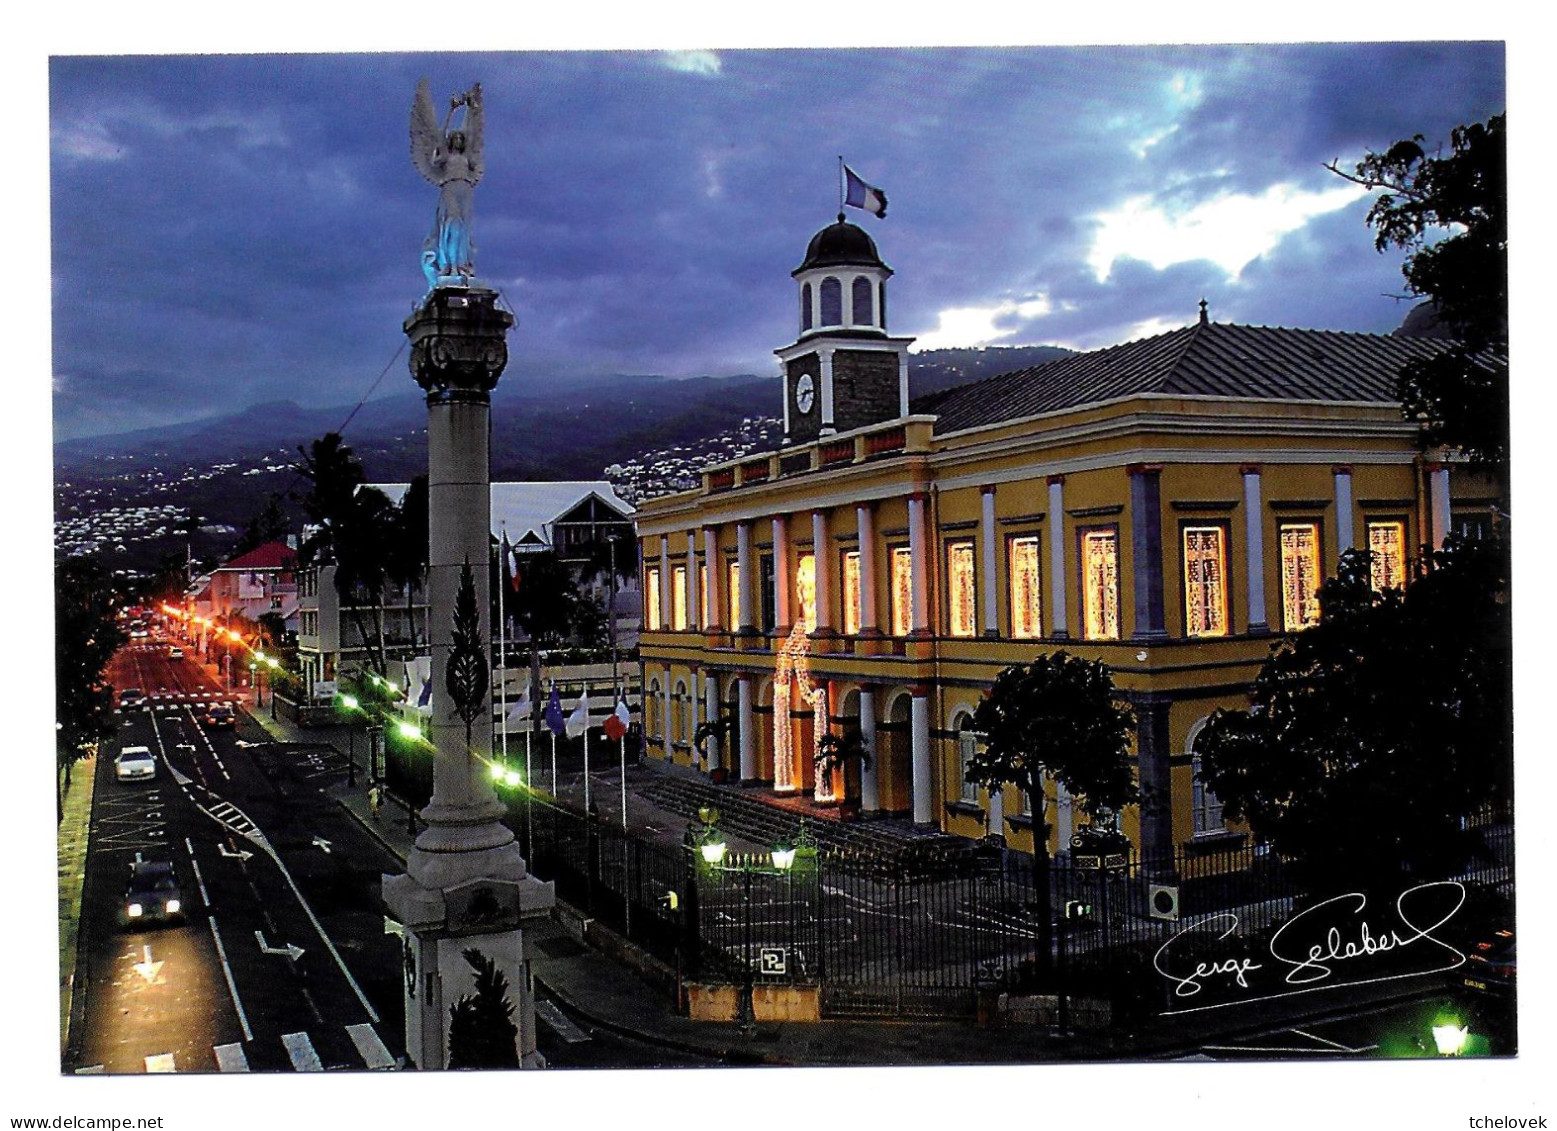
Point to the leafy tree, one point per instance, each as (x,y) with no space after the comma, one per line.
(1450,214)
(408,547)
(546,597)
(482,1032)
(86,635)
(269,525)
(1376,731)
(1057,717)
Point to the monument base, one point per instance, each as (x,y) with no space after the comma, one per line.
(437,928)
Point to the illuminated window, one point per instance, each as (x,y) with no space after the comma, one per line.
(735,594)
(1205,581)
(1300,575)
(1100,585)
(1024,588)
(902,590)
(652,598)
(967,750)
(959,589)
(851,593)
(678,599)
(805,591)
(1387,545)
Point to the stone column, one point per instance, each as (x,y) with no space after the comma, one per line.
(1054,592)
(870,797)
(822,557)
(869,626)
(667,614)
(919,730)
(1345,534)
(466,883)
(743,556)
(1152,753)
(987,574)
(1146,550)
(748,728)
(1438,497)
(782,616)
(666,704)
(919,571)
(1254,546)
(712,610)
(1065,815)
(997,811)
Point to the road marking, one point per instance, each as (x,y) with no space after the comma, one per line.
(205,900)
(548,1012)
(146,968)
(372,1050)
(230,1058)
(161,1062)
(320,842)
(1332,1044)
(290,950)
(232,986)
(301,1051)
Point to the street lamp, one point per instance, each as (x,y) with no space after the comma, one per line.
(351,704)
(1450,1039)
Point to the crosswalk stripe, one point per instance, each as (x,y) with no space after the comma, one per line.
(372,1050)
(230,1058)
(301,1051)
(161,1062)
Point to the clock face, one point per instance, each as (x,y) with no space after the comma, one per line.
(805,393)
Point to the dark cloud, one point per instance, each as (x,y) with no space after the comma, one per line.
(231,229)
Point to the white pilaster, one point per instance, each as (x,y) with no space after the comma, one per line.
(692,602)
(1055,588)
(919,726)
(867,521)
(781,574)
(826,356)
(667,617)
(1438,494)
(991,624)
(711,563)
(822,558)
(1345,535)
(870,798)
(748,728)
(711,706)
(919,574)
(744,558)
(1254,547)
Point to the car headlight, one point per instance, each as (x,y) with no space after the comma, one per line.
(135,910)
(171,907)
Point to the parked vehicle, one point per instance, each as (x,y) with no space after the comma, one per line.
(131,697)
(175,653)
(220,716)
(135,763)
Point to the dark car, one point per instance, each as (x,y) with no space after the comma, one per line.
(221,716)
(1490,966)
(153,894)
(131,697)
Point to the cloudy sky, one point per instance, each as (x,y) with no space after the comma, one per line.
(231,229)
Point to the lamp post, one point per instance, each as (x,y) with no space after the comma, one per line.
(351,704)
(275,666)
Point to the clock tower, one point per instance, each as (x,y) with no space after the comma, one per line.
(843,371)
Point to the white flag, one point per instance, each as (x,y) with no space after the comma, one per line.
(519,710)
(578,721)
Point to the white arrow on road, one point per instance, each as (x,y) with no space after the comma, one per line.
(322,843)
(146,968)
(291,950)
(241,854)
(244,744)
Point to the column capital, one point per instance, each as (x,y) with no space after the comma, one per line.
(987,489)
(919,690)
(1055,481)
(1249,469)
(1342,469)
(1434,465)
(1144,469)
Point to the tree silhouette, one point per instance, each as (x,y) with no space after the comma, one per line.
(86,635)
(482,1032)
(1059,717)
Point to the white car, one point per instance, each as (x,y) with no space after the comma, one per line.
(175,653)
(135,763)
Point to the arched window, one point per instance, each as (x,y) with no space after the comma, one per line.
(881,305)
(967,749)
(805,308)
(861,289)
(832,302)
(678,704)
(652,723)
(1208,807)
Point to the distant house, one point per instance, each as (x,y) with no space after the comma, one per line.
(260,582)
(569,517)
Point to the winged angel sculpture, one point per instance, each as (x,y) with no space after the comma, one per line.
(450,159)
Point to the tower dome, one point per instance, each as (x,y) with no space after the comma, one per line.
(841,245)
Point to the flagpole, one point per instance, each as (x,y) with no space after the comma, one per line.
(502,648)
(622,743)
(554,763)
(840,184)
(583,699)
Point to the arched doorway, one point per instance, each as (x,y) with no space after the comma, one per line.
(894,765)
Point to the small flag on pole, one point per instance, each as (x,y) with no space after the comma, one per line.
(426,696)
(554,719)
(519,710)
(615,724)
(578,721)
(861,194)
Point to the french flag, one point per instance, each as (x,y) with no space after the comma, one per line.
(861,194)
(616,722)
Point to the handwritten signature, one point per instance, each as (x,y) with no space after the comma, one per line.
(1311,947)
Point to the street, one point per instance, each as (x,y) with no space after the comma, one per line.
(282,962)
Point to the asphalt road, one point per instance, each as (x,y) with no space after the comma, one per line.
(281,962)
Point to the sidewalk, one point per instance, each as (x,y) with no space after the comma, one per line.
(74,833)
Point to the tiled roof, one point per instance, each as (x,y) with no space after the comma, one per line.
(272,555)
(522,509)
(1203,360)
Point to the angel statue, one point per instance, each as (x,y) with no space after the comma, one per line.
(450,159)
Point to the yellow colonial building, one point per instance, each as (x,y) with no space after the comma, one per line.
(1169,506)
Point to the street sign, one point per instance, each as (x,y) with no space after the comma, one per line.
(773,960)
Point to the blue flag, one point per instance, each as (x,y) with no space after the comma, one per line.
(426,696)
(554,718)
